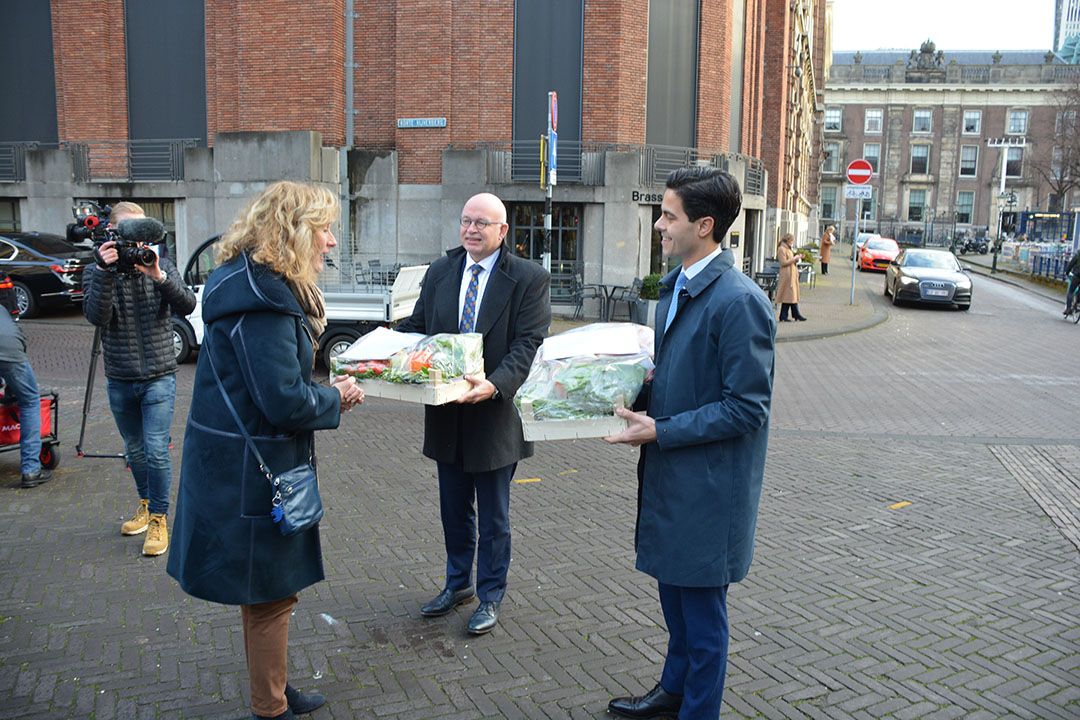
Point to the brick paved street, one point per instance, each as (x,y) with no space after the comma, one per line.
(961,604)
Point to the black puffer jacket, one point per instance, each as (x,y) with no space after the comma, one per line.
(133,312)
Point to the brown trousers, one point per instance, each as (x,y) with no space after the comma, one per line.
(266,643)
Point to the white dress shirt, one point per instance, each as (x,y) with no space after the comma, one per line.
(487,265)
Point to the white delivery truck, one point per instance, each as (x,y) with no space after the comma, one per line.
(377,299)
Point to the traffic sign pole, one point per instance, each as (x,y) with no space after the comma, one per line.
(551,161)
(859,173)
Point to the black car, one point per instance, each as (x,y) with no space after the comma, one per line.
(928,276)
(46,270)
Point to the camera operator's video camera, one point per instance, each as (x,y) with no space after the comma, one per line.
(130,237)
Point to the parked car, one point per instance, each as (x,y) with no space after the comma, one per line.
(928,276)
(7,295)
(862,237)
(382,301)
(45,270)
(877,253)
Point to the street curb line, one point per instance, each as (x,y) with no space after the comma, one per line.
(979,270)
(880,315)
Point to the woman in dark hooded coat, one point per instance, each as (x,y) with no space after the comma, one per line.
(263,314)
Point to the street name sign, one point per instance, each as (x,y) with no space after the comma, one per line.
(859,172)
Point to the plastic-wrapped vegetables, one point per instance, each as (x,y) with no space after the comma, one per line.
(586,372)
(453,355)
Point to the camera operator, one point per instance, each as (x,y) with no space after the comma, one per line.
(131,300)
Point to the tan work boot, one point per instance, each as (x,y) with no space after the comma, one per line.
(157,536)
(138,522)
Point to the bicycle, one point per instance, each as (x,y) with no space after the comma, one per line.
(1072,305)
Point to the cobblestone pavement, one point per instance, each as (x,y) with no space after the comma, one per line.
(917,553)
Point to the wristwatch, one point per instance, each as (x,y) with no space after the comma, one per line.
(164,277)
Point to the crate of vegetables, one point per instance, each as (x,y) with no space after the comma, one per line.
(412,367)
(579,377)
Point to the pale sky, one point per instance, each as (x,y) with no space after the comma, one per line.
(951,24)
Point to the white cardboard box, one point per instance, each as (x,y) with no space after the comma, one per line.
(539,430)
(434,392)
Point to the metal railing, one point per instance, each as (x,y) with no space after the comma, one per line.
(13,158)
(519,161)
(754,182)
(129,160)
(582,163)
(93,160)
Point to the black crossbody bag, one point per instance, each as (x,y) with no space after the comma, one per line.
(296,502)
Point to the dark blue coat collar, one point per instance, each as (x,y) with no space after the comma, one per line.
(242,285)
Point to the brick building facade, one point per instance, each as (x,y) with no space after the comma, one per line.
(930,123)
(448,99)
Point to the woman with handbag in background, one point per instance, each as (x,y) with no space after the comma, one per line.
(246,526)
(787,289)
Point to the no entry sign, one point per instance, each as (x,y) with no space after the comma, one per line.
(859,172)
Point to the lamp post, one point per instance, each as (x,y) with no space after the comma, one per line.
(1005,199)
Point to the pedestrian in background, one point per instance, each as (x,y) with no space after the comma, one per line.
(828,239)
(703,440)
(477,441)
(21,384)
(134,306)
(787,288)
(263,314)
(1072,274)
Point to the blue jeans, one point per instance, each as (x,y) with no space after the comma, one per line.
(143,411)
(22,385)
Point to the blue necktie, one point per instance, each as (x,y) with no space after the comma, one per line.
(468,311)
(680,283)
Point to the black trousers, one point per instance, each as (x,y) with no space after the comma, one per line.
(824,268)
(793,308)
(473,504)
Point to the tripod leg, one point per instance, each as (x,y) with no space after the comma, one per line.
(89,394)
(95,352)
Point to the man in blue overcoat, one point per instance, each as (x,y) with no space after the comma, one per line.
(703,441)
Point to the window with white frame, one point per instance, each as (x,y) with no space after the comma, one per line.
(1014,162)
(873,121)
(871,152)
(972,122)
(921,120)
(828,201)
(1018,121)
(833,117)
(965,206)
(832,158)
(916,205)
(920,159)
(969,160)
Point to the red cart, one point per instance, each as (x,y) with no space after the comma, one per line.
(9,428)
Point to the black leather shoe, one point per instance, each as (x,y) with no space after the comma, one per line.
(41,476)
(301,703)
(446,601)
(657,703)
(801,318)
(484,619)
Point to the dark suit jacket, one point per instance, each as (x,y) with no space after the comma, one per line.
(514,317)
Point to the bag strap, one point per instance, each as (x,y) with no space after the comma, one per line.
(232,410)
